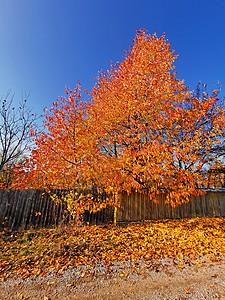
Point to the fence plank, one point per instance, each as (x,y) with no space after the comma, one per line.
(19,208)
(222,203)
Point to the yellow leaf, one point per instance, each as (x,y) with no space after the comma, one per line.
(22,296)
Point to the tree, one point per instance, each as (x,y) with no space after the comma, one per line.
(154,134)
(141,130)
(15,139)
(64,155)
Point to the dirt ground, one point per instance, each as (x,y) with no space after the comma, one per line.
(203,281)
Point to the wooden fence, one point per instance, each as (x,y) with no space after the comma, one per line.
(138,207)
(25,208)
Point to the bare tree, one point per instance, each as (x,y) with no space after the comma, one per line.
(15,139)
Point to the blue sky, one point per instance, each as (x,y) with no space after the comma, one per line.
(46,45)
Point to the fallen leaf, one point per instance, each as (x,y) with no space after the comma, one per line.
(187,291)
(22,296)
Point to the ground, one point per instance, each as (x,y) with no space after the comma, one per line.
(191,282)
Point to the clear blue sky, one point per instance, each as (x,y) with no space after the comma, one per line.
(48,44)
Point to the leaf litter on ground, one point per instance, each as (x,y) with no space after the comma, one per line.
(135,246)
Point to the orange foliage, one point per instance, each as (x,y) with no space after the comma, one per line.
(152,132)
(61,151)
(63,155)
(143,129)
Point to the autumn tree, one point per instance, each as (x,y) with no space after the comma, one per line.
(217,149)
(153,134)
(63,156)
(142,129)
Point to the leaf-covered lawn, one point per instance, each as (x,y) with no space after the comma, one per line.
(30,252)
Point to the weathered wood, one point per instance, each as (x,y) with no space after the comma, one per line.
(20,209)
(222,204)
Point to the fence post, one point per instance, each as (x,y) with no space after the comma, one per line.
(115,215)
